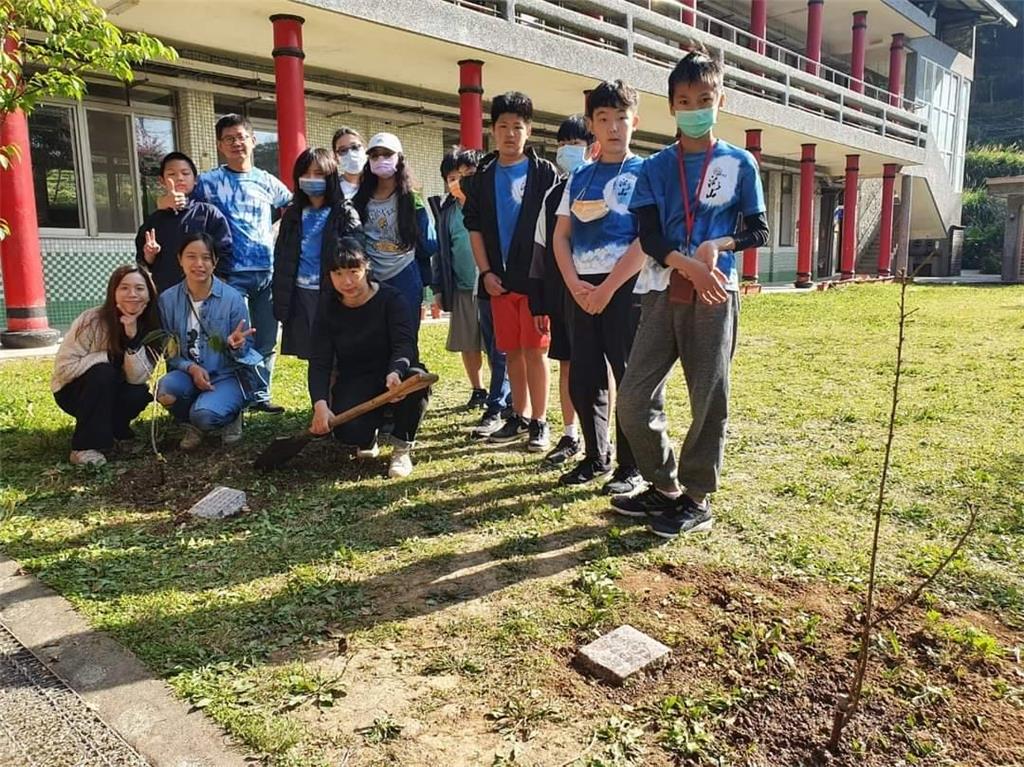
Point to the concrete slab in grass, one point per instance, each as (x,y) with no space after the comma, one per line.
(115,685)
(622,653)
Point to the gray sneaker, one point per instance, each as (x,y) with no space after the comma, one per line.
(488,424)
(540,437)
(232,433)
(192,438)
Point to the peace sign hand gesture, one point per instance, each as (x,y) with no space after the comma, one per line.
(237,338)
(151,248)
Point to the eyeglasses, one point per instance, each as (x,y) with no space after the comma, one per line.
(350,148)
(232,140)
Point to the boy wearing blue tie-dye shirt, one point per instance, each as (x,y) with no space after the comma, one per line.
(248,196)
(689,199)
(595,244)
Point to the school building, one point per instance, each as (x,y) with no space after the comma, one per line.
(857,110)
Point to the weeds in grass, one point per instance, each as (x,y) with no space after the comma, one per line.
(383,730)
(621,744)
(447,662)
(517,718)
(975,645)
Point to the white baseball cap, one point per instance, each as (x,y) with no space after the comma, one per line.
(387,141)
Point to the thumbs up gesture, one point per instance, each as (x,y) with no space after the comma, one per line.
(171,199)
(151,248)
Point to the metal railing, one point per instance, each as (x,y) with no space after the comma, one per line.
(653,32)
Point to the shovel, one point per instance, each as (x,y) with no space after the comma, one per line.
(284,449)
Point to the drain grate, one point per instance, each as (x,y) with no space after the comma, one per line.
(44,723)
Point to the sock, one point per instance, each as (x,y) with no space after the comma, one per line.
(571,432)
(697,498)
(670,493)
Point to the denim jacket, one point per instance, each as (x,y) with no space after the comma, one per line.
(220,314)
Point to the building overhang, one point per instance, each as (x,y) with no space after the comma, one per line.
(1005,186)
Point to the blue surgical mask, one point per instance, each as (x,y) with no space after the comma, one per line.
(696,123)
(314,187)
(569,157)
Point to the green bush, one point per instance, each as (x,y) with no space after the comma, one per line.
(991,161)
(984,217)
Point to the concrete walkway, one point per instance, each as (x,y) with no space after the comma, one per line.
(73,696)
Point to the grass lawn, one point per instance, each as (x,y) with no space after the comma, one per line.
(351,619)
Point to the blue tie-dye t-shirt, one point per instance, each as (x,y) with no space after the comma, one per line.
(247,200)
(732,189)
(509,185)
(598,245)
(313,220)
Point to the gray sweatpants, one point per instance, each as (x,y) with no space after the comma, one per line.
(703,338)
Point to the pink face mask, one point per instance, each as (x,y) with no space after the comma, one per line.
(384,167)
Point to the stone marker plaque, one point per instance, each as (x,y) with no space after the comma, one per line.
(621,653)
(219,503)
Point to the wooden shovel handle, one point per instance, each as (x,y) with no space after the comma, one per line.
(408,386)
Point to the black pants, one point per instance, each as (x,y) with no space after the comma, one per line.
(103,405)
(595,339)
(362,432)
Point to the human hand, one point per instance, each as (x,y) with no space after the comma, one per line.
(542,323)
(170,199)
(493,284)
(151,248)
(707,253)
(579,291)
(707,283)
(321,418)
(237,338)
(597,300)
(130,323)
(200,378)
(392,381)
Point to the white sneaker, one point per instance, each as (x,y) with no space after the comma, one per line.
(232,433)
(87,458)
(371,452)
(193,438)
(401,463)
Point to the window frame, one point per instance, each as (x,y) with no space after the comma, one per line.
(83,161)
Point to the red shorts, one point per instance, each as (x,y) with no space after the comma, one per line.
(514,328)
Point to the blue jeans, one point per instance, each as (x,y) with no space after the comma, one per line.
(499,397)
(207,410)
(409,283)
(255,286)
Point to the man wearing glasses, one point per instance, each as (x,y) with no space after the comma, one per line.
(247,196)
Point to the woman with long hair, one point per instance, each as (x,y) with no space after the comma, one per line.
(310,228)
(400,236)
(102,366)
(350,151)
(363,332)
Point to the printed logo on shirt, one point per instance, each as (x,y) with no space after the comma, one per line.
(721,182)
(518,189)
(618,192)
(385,219)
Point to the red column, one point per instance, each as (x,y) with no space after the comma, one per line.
(885,230)
(750,267)
(686,15)
(758,24)
(848,262)
(289,92)
(471,114)
(20,255)
(805,226)
(815,16)
(857,50)
(896,70)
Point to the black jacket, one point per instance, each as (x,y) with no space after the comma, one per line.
(479,215)
(443,279)
(341,220)
(171,227)
(547,286)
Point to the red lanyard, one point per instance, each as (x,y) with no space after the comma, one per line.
(691,213)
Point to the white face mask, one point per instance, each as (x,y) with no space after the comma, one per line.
(352,161)
(569,157)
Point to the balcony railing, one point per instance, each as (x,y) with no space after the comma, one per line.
(653,32)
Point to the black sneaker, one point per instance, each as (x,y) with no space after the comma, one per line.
(625,481)
(514,428)
(266,406)
(687,517)
(487,425)
(586,471)
(477,400)
(540,437)
(566,449)
(650,503)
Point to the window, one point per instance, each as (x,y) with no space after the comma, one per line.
(787,212)
(52,145)
(263,116)
(95,166)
